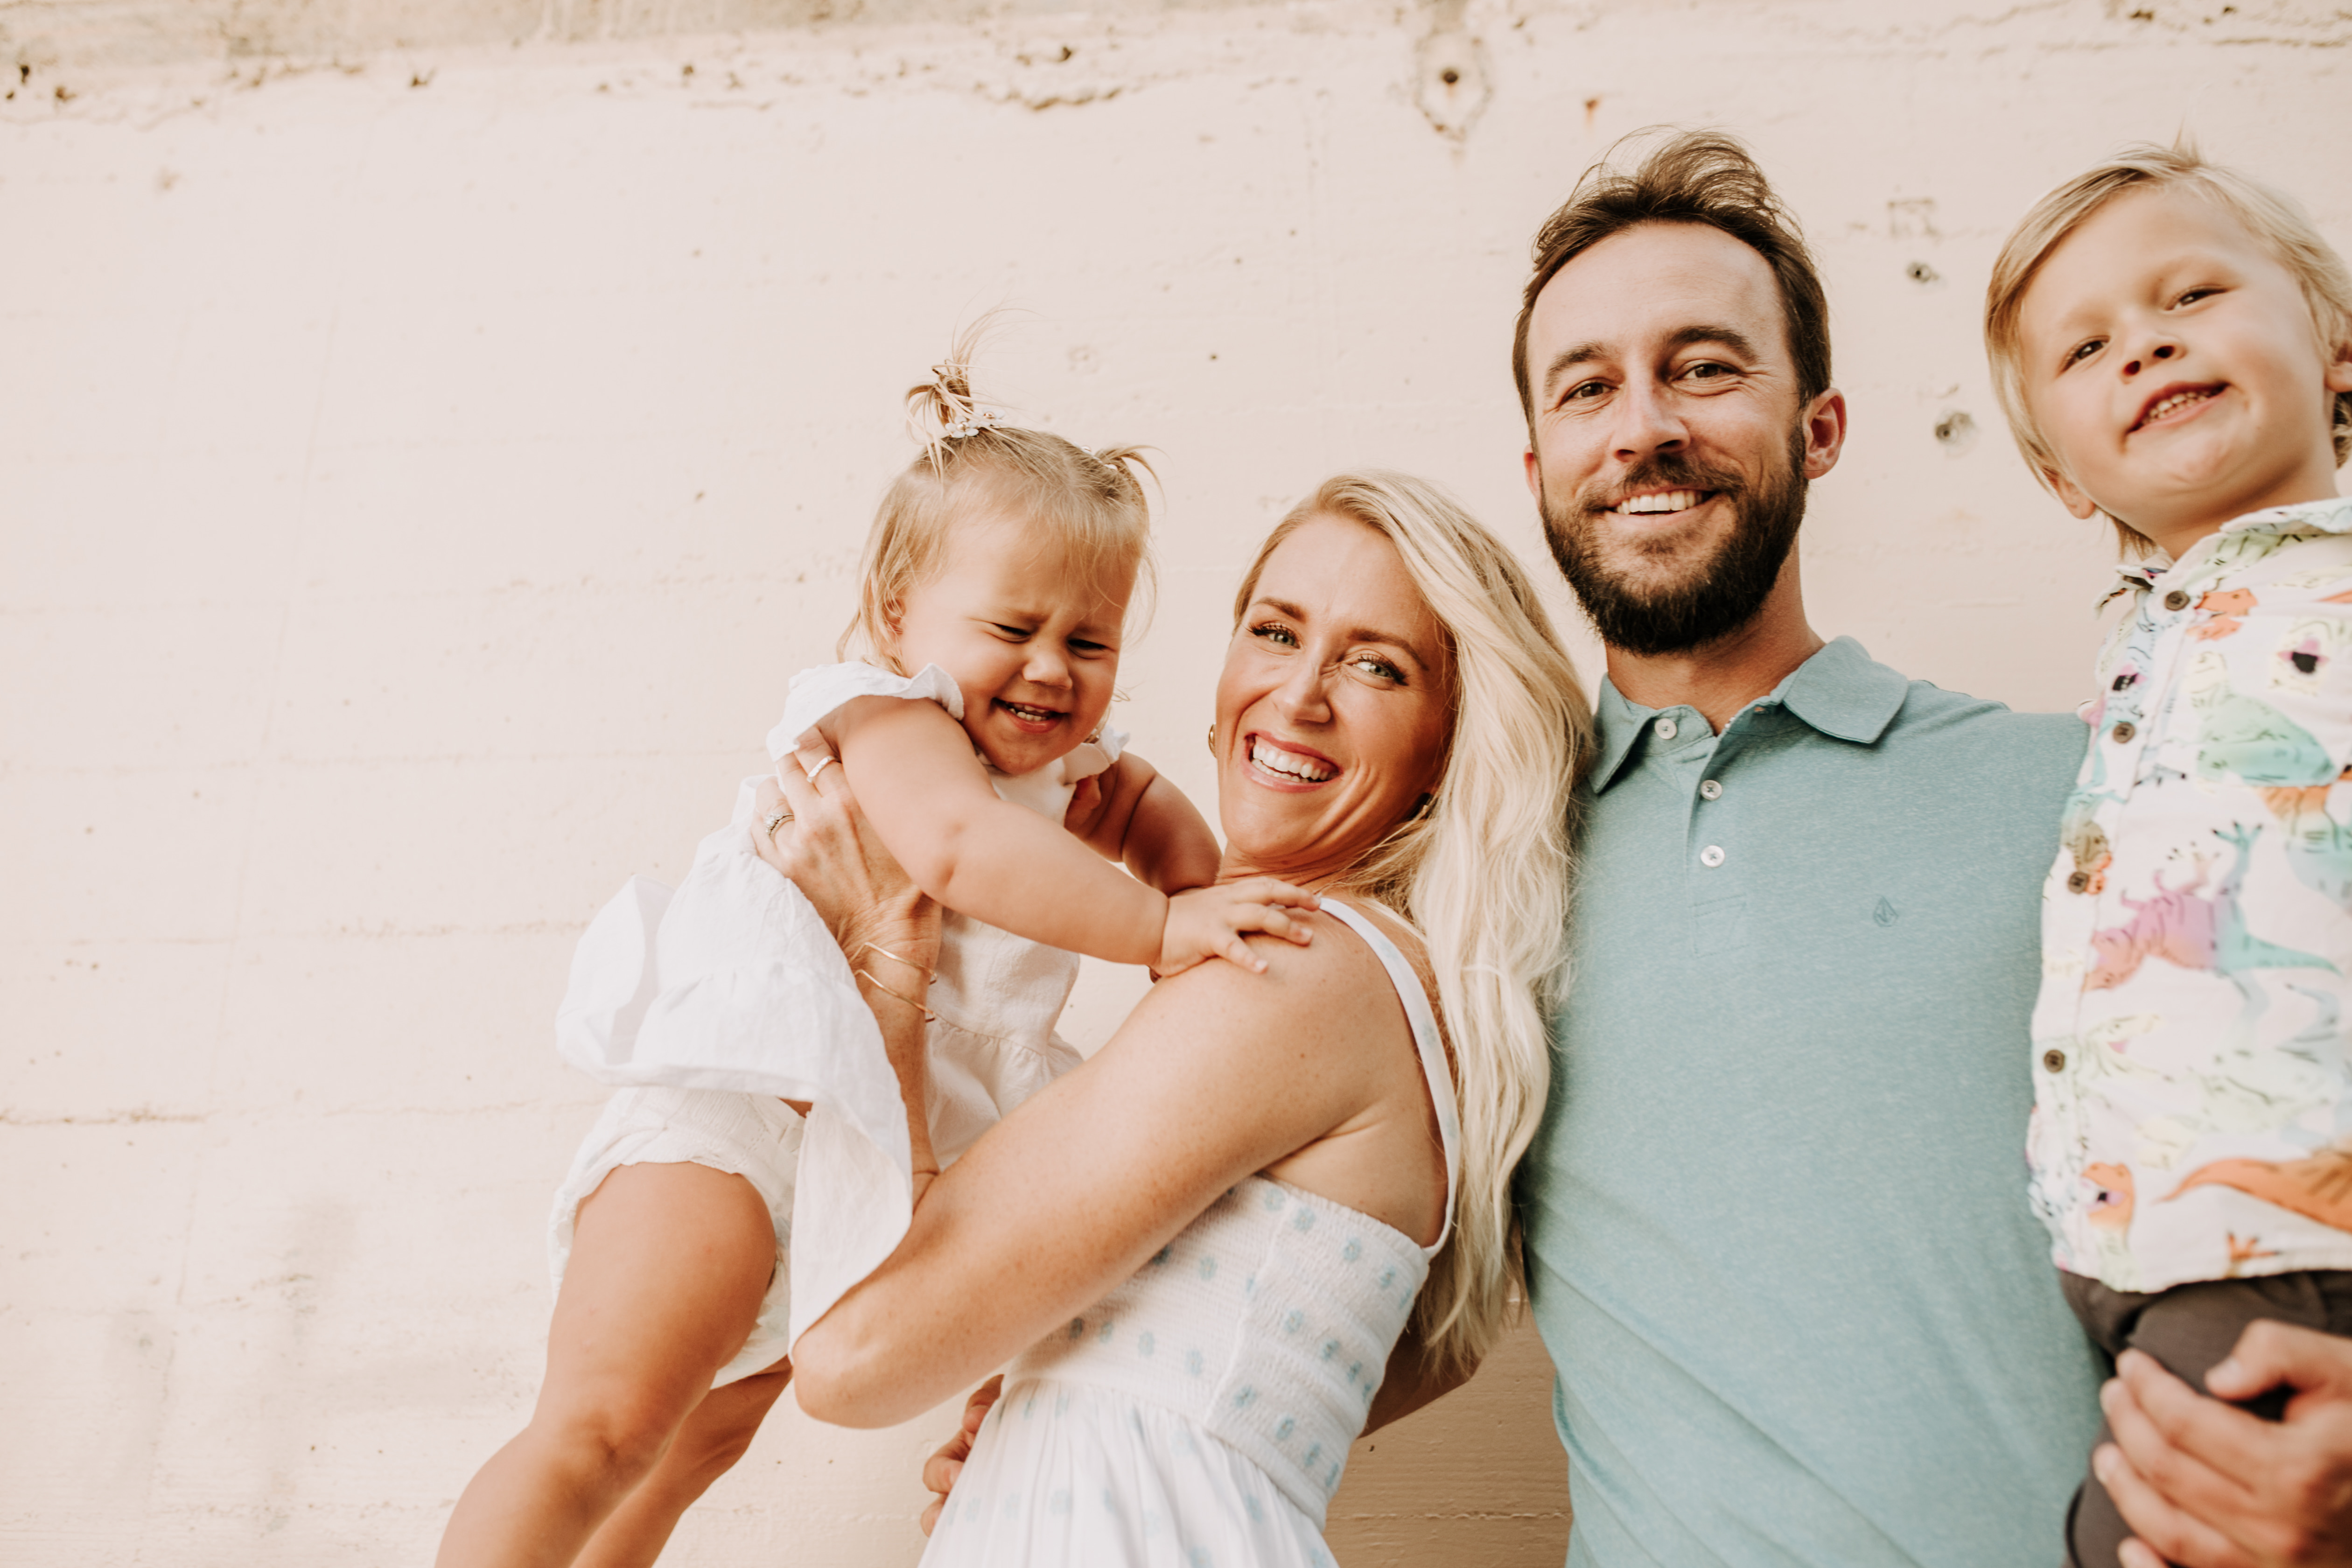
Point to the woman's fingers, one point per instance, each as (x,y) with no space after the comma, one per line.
(941,1469)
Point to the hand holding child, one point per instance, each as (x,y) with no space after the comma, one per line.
(1208,922)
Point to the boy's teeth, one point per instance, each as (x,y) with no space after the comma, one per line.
(1272,758)
(1663,500)
(2178,400)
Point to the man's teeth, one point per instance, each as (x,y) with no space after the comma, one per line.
(2175,403)
(1661,501)
(1273,759)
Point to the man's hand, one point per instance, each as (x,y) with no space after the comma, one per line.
(2205,1485)
(825,847)
(940,1470)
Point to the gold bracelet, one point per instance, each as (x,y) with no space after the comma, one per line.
(928,1017)
(874,947)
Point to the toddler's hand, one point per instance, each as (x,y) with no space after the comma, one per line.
(1208,922)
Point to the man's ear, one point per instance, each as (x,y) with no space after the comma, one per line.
(2070,494)
(1534,465)
(1824,432)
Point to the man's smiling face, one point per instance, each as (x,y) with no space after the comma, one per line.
(1671,447)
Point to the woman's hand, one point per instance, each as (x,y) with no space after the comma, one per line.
(824,846)
(940,1470)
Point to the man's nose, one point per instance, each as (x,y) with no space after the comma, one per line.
(1649,420)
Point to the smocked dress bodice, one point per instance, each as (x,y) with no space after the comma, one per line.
(1201,1413)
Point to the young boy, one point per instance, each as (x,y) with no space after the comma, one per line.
(2172,343)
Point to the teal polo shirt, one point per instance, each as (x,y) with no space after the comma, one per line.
(1778,1244)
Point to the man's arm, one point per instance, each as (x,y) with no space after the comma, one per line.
(2205,1485)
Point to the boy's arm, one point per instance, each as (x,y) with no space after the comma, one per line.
(915,776)
(1135,815)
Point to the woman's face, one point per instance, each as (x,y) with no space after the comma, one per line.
(1335,707)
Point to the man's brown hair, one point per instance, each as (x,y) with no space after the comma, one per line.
(1692,176)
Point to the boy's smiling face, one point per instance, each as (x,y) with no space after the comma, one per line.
(2172,363)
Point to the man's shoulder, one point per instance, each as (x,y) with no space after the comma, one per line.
(1930,713)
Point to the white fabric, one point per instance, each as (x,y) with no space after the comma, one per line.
(1200,1414)
(755,1136)
(734,983)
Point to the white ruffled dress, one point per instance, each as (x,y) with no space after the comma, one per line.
(1199,1414)
(708,1006)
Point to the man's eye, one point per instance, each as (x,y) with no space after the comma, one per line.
(1585,392)
(1706,370)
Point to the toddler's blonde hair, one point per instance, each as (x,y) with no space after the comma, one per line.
(1483,871)
(2271,216)
(1090,504)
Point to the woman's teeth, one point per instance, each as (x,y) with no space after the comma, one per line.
(1289,764)
(2177,402)
(1660,501)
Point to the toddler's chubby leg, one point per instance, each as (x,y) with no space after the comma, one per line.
(667,1269)
(705,1448)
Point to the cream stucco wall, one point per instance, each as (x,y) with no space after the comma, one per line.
(428,434)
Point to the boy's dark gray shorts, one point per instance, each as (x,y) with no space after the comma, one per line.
(2189,1330)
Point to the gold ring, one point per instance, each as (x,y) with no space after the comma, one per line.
(822,764)
(775,822)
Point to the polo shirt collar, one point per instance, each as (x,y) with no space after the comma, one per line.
(1841,691)
(2330,515)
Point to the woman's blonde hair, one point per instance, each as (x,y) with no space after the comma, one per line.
(1483,871)
(2270,216)
(1088,504)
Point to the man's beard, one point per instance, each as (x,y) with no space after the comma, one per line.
(1716,597)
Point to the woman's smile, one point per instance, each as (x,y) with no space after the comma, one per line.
(1288,766)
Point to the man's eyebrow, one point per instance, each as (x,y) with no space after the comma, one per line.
(1732,338)
(1356,634)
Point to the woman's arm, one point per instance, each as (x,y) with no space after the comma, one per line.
(1218,1074)
(915,775)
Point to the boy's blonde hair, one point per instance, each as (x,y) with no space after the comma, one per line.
(1482,869)
(2271,216)
(1090,504)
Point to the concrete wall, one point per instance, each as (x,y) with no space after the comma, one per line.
(429,433)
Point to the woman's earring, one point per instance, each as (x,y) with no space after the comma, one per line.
(1421,808)
(1212,737)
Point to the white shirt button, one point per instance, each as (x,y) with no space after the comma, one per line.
(1711,857)
(1710,789)
(1664,729)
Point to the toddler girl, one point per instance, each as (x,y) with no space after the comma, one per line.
(706,1222)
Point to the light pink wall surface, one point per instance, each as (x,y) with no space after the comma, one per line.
(418,474)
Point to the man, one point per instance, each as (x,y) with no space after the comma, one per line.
(1777,1240)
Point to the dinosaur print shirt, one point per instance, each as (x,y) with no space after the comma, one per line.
(2192,1069)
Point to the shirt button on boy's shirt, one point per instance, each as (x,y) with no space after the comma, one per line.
(2176,600)
(2123,733)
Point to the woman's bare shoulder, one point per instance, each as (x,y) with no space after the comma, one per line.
(1336,981)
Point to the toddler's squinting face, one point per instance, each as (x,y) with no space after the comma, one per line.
(2172,363)
(1032,640)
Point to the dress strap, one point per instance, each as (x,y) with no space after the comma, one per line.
(1425,1039)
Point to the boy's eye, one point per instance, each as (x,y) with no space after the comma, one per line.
(2085,350)
(2194,295)
(1088,650)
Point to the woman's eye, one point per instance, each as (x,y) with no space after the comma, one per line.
(1280,636)
(1375,666)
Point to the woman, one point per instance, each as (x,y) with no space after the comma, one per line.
(1209,1238)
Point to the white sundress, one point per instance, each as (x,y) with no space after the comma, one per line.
(1199,1414)
(732,987)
